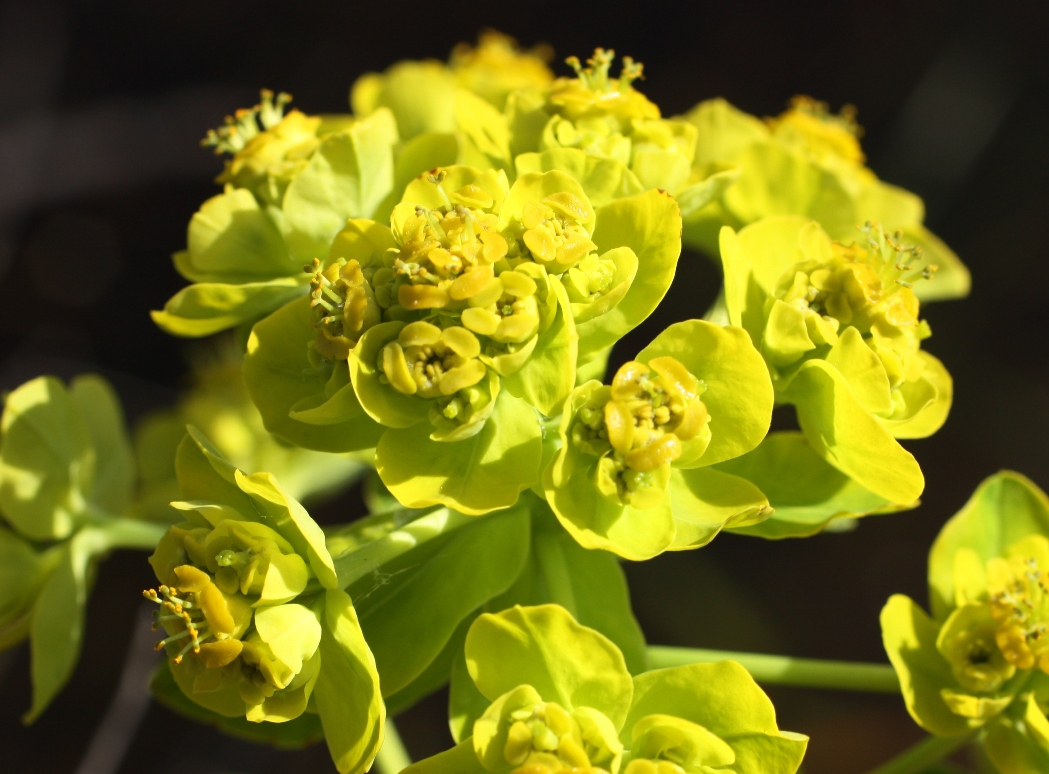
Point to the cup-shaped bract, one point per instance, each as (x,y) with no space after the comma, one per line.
(805,162)
(980,663)
(839,327)
(561,698)
(632,475)
(256,624)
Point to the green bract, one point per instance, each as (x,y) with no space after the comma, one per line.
(438,338)
(806,492)
(806,162)
(257,624)
(288,190)
(608,118)
(557,695)
(67,477)
(839,329)
(632,475)
(981,663)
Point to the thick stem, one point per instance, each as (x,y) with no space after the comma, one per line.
(393,757)
(785,670)
(924,754)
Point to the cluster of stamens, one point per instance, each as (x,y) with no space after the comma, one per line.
(1021,609)
(234,134)
(595,75)
(894,260)
(343,305)
(178,609)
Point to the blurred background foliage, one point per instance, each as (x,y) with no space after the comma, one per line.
(103,106)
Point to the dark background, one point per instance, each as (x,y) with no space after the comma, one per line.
(101,109)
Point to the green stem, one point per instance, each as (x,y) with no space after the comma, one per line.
(924,754)
(353,566)
(393,758)
(785,670)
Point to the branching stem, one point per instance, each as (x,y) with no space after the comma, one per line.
(785,670)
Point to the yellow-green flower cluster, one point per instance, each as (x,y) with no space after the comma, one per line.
(980,665)
(839,327)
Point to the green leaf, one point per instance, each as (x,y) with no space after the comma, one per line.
(603,179)
(23,571)
(207,307)
(650,225)
(56,629)
(478,474)
(544,647)
(303,731)
(410,608)
(232,240)
(910,636)
(1004,509)
(113,476)
(847,436)
(347,693)
(349,176)
(279,376)
(45,460)
(435,676)
(589,584)
(739,393)
(704,501)
(724,699)
(806,492)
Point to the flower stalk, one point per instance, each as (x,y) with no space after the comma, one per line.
(787,670)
